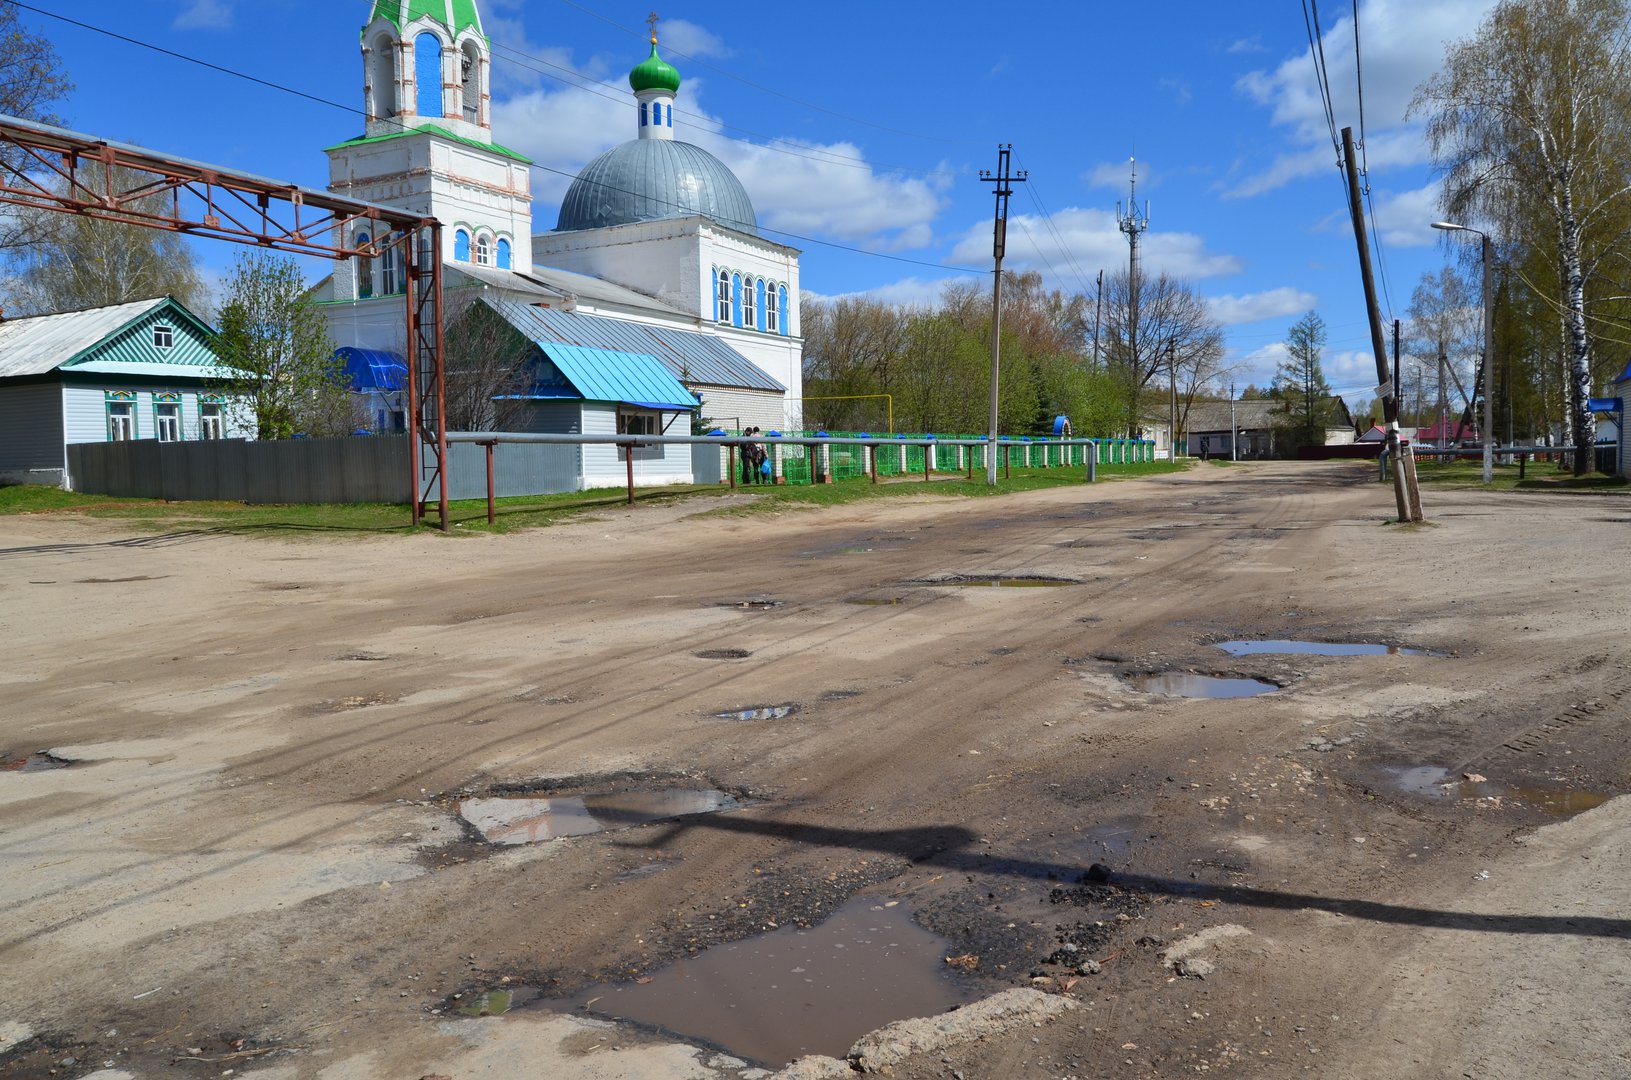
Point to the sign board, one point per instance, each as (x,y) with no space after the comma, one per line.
(1605,404)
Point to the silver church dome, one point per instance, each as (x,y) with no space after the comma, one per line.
(651,179)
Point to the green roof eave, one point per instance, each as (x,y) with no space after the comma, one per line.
(433,129)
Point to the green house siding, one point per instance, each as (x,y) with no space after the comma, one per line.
(189,351)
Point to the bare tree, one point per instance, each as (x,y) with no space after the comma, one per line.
(1445,335)
(32,82)
(489,366)
(1178,341)
(1530,117)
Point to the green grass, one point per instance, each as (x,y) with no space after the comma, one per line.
(1538,476)
(524,512)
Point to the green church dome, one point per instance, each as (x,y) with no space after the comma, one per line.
(655,73)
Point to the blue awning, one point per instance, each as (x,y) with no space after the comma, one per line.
(605,375)
(373,369)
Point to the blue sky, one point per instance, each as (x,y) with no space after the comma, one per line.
(865,125)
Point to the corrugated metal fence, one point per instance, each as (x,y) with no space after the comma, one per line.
(342,470)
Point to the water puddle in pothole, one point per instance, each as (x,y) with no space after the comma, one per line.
(757,603)
(792,992)
(758,712)
(513,820)
(36,762)
(1190,685)
(964,582)
(1433,782)
(877,601)
(1286,647)
(723,654)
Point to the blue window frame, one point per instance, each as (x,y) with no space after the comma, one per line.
(759,294)
(461,246)
(642,114)
(787,312)
(772,310)
(736,299)
(427,74)
(503,254)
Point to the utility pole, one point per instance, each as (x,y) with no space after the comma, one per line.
(1132,225)
(1234,428)
(1386,385)
(1098,303)
(1172,407)
(999,244)
(1443,401)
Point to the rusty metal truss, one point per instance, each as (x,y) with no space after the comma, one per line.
(67,172)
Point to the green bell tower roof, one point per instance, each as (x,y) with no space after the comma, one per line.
(457,15)
(654,73)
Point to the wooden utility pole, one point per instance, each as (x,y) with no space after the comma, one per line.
(999,244)
(1402,476)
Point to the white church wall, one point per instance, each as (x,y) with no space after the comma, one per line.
(653,257)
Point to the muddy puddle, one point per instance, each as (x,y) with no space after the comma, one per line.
(755,603)
(792,992)
(877,601)
(723,654)
(36,762)
(1190,685)
(526,820)
(1433,782)
(966,582)
(1287,647)
(758,712)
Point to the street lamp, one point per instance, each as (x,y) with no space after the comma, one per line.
(1487,255)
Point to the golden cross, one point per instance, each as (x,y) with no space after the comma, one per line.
(652,21)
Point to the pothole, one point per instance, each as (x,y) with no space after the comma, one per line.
(1191,685)
(118,580)
(362,657)
(40,761)
(758,712)
(723,654)
(1287,647)
(840,695)
(520,819)
(1434,782)
(877,601)
(964,581)
(754,603)
(788,993)
(358,701)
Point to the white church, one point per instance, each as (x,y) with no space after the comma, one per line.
(653,291)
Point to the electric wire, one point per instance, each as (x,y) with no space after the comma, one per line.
(1364,170)
(1059,238)
(544,168)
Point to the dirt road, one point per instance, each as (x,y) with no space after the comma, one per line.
(255,863)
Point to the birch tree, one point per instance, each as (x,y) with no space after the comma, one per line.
(1530,117)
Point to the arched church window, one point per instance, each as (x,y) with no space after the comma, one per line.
(669,112)
(643,108)
(365,270)
(787,311)
(759,295)
(382,79)
(750,310)
(484,251)
(387,271)
(736,299)
(503,254)
(427,74)
(470,80)
(772,311)
(724,296)
(461,246)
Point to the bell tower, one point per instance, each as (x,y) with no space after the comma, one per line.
(428,143)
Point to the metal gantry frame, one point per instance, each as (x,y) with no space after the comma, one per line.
(72,173)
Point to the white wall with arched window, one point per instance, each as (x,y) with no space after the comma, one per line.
(504,254)
(461,246)
(427,74)
(750,309)
(484,250)
(772,310)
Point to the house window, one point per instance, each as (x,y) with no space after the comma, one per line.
(164,337)
(122,419)
(640,423)
(772,316)
(167,417)
(211,420)
(724,296)
(750,313)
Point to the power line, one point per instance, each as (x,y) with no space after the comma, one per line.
(544,168)
(1364,168)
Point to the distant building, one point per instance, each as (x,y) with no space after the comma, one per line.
(1217,427)
(142,370)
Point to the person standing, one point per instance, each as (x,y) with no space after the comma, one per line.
(750,457)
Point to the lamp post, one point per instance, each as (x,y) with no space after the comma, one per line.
(1487,256)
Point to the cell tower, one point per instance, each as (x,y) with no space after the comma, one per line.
(1132,223)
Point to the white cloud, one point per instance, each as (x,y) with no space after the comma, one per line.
(1402,44)
(1255,307)
(691,40)
(1116,174)
(1406,218)
(1081,241)
(907,292)
(1253,44)
(204,15)
(821,189)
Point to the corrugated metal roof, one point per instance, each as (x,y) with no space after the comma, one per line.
(37,345)
(608,375)
(697,359)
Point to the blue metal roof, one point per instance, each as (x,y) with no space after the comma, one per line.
(698,359)
(373,369)
(627,378)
